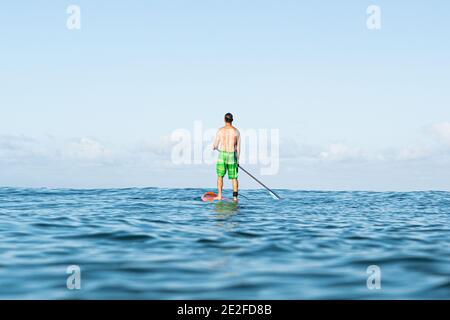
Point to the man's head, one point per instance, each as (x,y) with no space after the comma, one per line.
(228,118)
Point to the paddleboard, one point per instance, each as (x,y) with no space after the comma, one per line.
(209,196)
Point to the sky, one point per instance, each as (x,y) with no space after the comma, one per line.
(356,109)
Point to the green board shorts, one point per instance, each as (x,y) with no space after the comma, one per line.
(227,162)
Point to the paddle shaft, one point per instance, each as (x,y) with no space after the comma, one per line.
(259,182)
(268,189)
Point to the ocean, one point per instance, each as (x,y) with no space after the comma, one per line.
(152,243)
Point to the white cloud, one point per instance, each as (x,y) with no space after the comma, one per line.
(341,152)
(291,150)
(147,162)
(442,132)
(161,147)
(22,150)
(85,149)
(414,153)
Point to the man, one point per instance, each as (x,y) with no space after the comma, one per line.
(228,142)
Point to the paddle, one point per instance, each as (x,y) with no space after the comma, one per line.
(273,194)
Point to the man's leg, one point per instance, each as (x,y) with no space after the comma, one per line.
(219,187)
(235,188)
(233,175)
(221,169)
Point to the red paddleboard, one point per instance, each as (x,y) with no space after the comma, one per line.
(209,196)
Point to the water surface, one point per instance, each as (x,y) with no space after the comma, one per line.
(155,243)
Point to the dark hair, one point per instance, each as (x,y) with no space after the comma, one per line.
(228,118)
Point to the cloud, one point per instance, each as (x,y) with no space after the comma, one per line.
(338,151)
(442,132)
(161,147)
(424,149)
(10,142)
(50,151)
(434,144)
(341,152)
(415,153)
(85,149)
(94,161)
(290,149)
(20,149)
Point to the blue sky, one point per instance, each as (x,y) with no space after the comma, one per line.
(356,108)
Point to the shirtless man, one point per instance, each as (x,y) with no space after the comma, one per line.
(228,142)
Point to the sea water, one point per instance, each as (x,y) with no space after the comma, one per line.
(150,243)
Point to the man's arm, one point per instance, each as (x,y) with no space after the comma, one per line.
(238,145)
(216,140)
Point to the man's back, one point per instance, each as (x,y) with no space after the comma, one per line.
(227,139)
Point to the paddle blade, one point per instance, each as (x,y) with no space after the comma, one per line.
(274,196)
